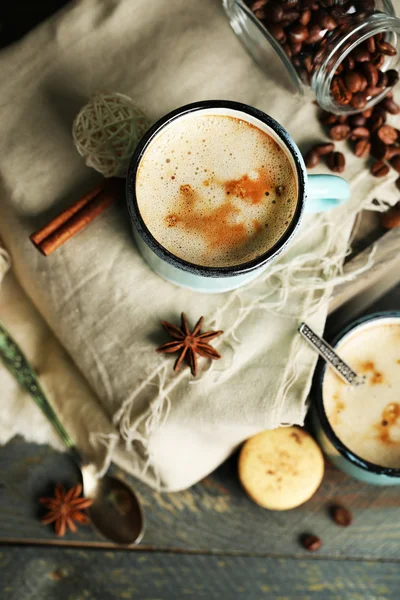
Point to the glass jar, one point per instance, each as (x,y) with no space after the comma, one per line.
(346,52)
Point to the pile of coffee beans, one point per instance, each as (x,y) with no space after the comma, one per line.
(307,29)
(369,135)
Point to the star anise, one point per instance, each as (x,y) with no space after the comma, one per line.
(65,508)
(189,344)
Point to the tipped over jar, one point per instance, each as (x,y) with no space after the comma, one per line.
(347,52)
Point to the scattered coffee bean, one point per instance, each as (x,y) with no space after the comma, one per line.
(311,542)
(393,151)
(367,113)
(362,148)
(323,149)
(341,516)
(393,77)
(379,169)
(328,118)
(387,134)
(375,122)
(391,106)
(379,149)
(357,121)
(339,132)
(336,162)
(359,132)
(395,163)
(311,159)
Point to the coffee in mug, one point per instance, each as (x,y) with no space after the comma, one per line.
(216,190)
(366,418)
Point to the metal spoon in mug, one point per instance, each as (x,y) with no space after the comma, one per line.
(116,511)
(329,355)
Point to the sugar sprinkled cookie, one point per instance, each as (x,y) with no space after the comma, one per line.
(281,468)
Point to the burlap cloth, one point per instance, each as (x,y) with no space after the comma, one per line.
(118,398)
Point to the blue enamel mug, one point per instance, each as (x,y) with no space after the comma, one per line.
(316,193)
(334,448)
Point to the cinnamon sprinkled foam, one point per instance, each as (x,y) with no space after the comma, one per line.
(215,190)
(367,418)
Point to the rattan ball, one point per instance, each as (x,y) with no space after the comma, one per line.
(106,132)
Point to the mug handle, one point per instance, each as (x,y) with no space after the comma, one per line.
(325,192)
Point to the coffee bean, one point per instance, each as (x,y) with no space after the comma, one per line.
(311,159)
(393,77)
(341,516)
(379,150)
(361,55)
(277,32)
(393,151)
(311,542)
(349,63)
(357,121)
(371,74)
(327,118)
(339,132)
(380,169)
(342,119)
(325,20)
(383,79)
(295,47)
(360,133)
(258,4)
(395,162)
(305,17)
(387,134)
(362,148)
(354,81)
(273,12)
(359,100)
(367,113)
(315,34)
(378,60)
(290,16)
(370,45)
(339,91)
(386,48)
(336,162)
(375,122)
(323,149)
(391,106)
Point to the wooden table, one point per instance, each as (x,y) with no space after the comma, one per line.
(208,542)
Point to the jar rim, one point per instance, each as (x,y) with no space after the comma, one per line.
(322,79)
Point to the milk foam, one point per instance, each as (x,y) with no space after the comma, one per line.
(367,418)
(216,190)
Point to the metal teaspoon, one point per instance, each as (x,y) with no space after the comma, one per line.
(116,511)
(329,355)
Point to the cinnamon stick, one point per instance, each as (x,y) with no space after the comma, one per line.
(75,217)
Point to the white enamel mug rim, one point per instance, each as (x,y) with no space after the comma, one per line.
(243,111)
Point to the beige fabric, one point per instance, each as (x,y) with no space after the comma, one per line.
(96,294)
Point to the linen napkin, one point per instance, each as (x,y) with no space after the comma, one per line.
(97,297)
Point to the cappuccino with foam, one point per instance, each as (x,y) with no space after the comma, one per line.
(366,418)
(216,190)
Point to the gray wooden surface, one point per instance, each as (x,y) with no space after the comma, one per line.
(101,575)
(207,542)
